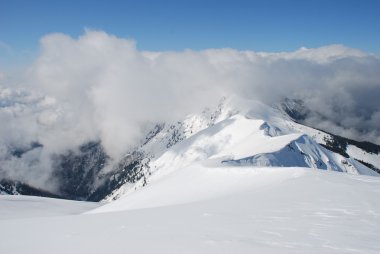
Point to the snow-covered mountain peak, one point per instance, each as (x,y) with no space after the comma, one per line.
(240,133)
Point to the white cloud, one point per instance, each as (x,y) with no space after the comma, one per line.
(102,87)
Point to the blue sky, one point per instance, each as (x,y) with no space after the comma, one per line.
(176,25)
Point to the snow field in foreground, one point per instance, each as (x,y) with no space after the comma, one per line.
(217,210)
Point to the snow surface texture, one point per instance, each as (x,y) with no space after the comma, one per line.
(201,209)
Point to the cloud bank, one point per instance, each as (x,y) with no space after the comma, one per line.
(101,87)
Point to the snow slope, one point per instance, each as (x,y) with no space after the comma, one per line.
(258,138)
(362,155)
(201,209)
(19,207)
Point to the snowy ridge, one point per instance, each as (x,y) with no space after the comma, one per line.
(304,152)
(163,136)
(239,133)
(290,111)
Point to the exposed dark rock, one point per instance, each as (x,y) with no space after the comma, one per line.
(129,170)
(369,165)
(295,109)
(19,151)
(77,171)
